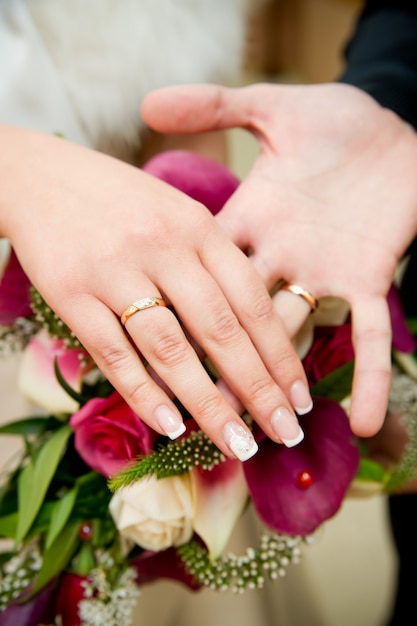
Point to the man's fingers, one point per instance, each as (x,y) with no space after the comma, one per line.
(371,327)
(197,108)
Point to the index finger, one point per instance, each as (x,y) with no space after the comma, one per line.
(197,108)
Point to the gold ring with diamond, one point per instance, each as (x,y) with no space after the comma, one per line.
(141,305)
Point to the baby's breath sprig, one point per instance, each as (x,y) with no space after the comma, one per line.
(172,459)
(241,573)
(403,399)
(108,601)
(15,337)
(49,320)
(17,574)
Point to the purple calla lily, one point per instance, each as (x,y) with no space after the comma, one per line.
(294,490)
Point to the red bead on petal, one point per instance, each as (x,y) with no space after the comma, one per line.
(304,480)
(86,531)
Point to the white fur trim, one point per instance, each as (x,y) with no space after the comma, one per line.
(109,53)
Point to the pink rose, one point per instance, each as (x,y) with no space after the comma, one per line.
(332,347)
(108,434)
(37,380)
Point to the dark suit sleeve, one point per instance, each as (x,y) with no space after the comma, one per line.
(381,57)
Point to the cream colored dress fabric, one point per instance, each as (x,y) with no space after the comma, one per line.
(81,68)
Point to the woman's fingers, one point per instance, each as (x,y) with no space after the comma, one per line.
(262,374)
(157,333)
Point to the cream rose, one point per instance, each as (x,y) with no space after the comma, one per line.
(155,514)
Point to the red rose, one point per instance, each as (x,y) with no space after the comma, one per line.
(332,347)
(70,593)
(108,434)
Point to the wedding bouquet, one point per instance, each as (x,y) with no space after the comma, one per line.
(98,504)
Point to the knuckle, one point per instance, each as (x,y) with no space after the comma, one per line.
(168,348)
(260,309)
(113,358)
(287,358)
(225,328)
(139,395)
(136,390)
(259,389)
(208,407)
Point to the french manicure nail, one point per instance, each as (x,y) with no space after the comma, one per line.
(301,398)
(286,427)
(240,441)
(169,421)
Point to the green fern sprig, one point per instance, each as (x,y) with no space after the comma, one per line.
(240,573)
(50,321)
(172,459)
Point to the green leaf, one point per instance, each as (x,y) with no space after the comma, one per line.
(35,478)
(57,556)
(60,515)
(25,427)
(370,470)
(85,559)
(5,556)
(8,495)
(8,525)
(412,324)
(42,521)
(336,385)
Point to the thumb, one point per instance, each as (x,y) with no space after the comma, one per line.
(197,108)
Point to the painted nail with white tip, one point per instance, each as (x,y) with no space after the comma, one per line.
(286,427)
(240,441)
(169,422)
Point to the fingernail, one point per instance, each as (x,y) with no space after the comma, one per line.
(240,441)
(169,421)
(286,427)
(301,398)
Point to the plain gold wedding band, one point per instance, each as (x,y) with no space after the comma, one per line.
(141,305)
(303,293)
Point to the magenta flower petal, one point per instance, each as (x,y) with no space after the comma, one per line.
(279,478)
(152,566)
(402,339)
(203,179)
(14,292)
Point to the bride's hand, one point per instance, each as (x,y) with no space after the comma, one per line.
(95,235)
(330,204)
